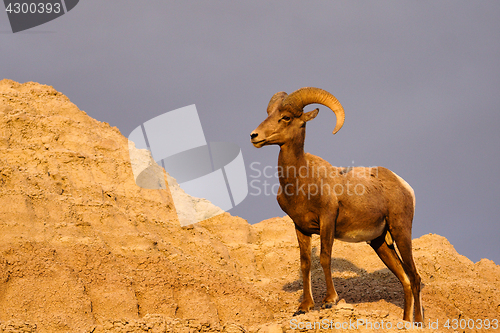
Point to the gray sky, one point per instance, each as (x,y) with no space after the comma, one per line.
(419,82)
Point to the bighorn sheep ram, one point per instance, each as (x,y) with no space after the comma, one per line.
(372,205)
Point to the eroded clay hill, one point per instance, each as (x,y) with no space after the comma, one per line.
(83,249)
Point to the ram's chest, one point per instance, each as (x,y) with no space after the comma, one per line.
(299,210)
(294,199)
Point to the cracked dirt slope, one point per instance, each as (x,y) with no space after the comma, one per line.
(83,249)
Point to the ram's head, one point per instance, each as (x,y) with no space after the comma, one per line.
(286,118)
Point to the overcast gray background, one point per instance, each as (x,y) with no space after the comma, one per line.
(419,82)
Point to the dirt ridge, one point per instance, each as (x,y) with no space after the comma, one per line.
(83,249)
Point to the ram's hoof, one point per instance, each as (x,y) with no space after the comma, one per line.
(299,312)
(327,305)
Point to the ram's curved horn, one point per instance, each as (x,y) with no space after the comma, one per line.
(276,101)
(296,101)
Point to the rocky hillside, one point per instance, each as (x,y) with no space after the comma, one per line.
(84,249)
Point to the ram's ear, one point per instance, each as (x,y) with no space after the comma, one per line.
(310,115)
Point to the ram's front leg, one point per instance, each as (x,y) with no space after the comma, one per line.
(305,266)
(327,233)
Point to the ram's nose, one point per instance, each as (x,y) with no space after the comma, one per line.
(256,140)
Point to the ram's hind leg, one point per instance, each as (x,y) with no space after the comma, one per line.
(391,259)
(402,238)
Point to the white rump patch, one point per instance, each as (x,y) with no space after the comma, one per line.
(407,186)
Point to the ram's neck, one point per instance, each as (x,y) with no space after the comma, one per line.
(291,159)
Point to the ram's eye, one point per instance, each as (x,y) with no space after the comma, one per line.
(285,118)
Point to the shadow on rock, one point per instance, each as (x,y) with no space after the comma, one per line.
(353,284)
